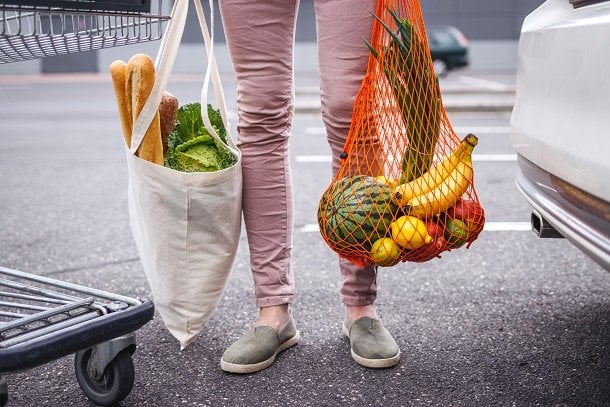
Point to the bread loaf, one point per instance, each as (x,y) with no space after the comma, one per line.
(168,112)
(140,79)
(118,70)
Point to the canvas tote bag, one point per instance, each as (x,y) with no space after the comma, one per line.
(186,225)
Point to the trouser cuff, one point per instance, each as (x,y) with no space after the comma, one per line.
(273,301)
(358,301)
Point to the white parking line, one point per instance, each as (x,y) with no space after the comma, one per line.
(494,157)
(483,83)
(313,159)
(489,227)
(507,226)
(315,130)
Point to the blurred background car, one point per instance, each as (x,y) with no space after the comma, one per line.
(560,123)
(449,49)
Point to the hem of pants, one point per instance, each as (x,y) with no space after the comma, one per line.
(358,301)
(273,301)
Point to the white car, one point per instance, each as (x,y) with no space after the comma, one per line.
(560,124)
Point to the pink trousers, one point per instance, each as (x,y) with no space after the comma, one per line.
(260,38)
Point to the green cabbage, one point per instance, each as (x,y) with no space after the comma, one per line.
(190,148)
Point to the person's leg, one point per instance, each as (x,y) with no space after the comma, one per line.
(260,38)
(343,58)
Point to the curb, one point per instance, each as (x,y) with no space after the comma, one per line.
(311,106)
(445,90)
(491,108)
(456,98)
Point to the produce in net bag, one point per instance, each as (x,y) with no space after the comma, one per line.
(404,190)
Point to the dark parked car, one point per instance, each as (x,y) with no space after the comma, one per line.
(449,49)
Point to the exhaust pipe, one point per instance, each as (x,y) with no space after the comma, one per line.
(542,228)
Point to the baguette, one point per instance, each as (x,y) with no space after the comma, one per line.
(118,71)
(140,80)
(168,113)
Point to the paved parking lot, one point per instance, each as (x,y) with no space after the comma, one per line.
(513,321)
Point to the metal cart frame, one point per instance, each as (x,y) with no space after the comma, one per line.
(35,31)
(43,319)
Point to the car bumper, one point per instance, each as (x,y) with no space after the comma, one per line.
(580,217)
(457,61)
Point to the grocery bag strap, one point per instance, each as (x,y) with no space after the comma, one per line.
(212,73)
(164,63)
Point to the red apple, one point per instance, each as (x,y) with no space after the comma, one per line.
(466,210)
(427,252)
(471,213)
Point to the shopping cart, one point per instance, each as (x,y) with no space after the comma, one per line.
(43,319)
(31,29)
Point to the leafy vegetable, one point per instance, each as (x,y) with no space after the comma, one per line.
(191,148)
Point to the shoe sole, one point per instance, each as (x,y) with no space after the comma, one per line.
(372,363)
(245,369)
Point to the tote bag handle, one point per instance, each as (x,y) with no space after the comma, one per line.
(164,63)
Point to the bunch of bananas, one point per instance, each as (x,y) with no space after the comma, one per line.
(436,217)
(441,186)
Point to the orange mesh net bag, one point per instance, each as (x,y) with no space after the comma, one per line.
(404,190)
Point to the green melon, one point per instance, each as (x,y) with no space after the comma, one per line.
(356,211)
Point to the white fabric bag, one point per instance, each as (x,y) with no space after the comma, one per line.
(186,225)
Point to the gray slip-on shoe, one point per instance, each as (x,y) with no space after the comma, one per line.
(372,345)
(257,348)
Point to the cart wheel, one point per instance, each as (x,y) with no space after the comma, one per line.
(114,385)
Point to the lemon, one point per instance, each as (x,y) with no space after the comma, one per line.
(410,232)
(385,252)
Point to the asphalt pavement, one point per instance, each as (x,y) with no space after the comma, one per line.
(512,321)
